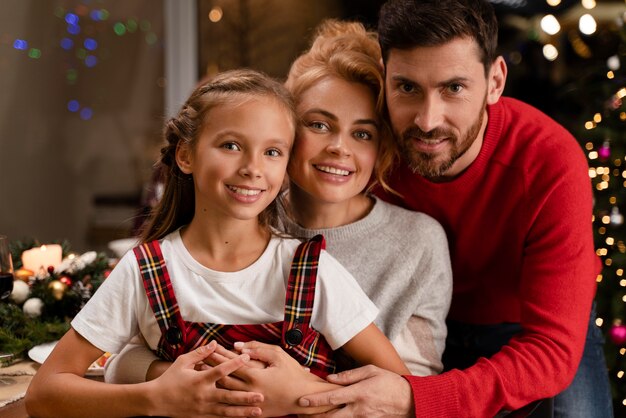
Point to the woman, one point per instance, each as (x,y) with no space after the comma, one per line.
(399,257)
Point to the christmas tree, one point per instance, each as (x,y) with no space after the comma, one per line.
(601,131)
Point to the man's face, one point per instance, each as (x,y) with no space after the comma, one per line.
(437,99)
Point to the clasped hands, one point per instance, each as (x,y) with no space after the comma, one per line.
(277,385)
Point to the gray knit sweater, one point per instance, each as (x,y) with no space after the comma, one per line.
(400,258)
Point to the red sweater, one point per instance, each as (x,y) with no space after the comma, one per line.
(518,222)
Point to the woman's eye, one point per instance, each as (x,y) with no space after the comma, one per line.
(319,126)
(231,146)
(364,135)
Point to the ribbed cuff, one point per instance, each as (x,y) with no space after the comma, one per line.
(435,396)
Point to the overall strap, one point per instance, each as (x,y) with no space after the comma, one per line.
(156,281)
(301,290)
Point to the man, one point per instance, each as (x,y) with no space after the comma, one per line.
(510,186)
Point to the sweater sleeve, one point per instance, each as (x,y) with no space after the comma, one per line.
(556,288)
(131,364)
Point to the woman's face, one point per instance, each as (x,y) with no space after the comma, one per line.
(337,141)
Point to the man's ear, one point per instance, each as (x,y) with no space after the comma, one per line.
(184,157)
(496,80)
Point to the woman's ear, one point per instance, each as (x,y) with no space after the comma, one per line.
(496,80)
(184,157)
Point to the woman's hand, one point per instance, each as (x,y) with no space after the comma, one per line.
(282,380)
(184,391)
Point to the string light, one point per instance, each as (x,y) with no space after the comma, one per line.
(588,4)
(215,15)
(587,24)
(550,52)
(550,25)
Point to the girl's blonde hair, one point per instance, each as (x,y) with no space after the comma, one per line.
(348,51)
(176,207)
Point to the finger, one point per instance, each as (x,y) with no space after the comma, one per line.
(197,355)
(352,376)
(214,359)
(221,350)
(228,367)
(252,344)
(335,397)
(267,353)
(242,398)
(232,383)
(236,411)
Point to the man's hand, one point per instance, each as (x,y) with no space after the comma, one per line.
(369,392)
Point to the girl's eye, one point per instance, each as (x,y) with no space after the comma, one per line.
(273,152)
(363,135)
(231,146)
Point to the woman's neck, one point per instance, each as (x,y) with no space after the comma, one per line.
(311,213)
(225,246)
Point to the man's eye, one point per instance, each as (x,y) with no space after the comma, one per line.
(407,88)
(455,88)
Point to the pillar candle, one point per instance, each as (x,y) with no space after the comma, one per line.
(42,257)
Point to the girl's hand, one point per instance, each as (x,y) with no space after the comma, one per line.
(282,382)
(183,391)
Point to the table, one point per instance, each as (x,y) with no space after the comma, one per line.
(14,381)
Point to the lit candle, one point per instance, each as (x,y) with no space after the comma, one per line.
(42,257)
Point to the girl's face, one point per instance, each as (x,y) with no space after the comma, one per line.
(337,141)
(239,160)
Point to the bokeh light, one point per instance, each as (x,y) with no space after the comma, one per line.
(587,24)
(550,25)
(67,44)
(73,29)
(90,44)
(34,53)
(550,52)
(20,44)
(91,61)
(86,113)
(71,19)
(119,29)
(73,105)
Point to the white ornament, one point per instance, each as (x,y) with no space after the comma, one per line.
(20,291)
(89,257)
(33,307)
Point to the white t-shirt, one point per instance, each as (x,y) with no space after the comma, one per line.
(120,310)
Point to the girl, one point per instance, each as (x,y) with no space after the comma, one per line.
(399,257)
(210,258)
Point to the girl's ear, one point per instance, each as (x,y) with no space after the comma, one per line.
(184,157)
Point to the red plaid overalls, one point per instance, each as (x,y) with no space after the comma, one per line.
(293,333)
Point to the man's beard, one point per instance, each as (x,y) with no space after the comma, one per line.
(435,165)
